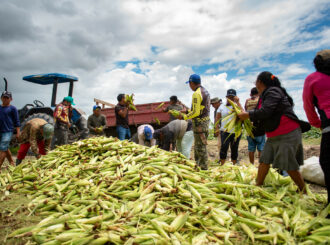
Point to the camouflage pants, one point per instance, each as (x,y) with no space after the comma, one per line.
(60,135)
(201,132)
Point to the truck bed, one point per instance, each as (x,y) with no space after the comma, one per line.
(145,114)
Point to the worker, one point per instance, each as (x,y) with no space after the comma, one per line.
(144,135)
(259,138)
(216,102)
(9,120)
(96,122)
(62,117)
(283,148)
(228,137)
(80,122)
(173,106)
(178,132)
(121,112)
(316,96)
(37,134)
(200,115)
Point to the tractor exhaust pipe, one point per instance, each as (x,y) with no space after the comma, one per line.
(6,84)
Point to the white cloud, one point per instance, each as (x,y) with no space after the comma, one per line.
(293,70)
(87,39)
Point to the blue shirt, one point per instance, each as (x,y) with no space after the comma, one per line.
(75,115)
(8,118)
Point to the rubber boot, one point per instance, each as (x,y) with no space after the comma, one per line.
(18,161)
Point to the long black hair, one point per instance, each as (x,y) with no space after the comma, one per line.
(322,65)
(270,80)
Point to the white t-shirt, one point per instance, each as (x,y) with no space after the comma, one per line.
(141,136)
(225,110)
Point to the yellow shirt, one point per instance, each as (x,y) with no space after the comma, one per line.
(196,107)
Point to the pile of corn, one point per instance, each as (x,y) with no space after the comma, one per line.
(102,190)
(234,125)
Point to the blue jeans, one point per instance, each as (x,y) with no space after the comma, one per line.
(5,139)
(123,133)
(257,142)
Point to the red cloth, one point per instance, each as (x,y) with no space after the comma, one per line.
(316,85)
(24,148)
(286,126)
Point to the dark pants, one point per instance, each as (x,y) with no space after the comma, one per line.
(325,160)
(226,141)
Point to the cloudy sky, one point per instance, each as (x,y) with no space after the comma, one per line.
(150,47)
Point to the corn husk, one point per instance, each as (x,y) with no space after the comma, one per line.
(130,100)
(236,126)
(160,106)
(175,113)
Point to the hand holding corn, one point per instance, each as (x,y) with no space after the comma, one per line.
(130,102)
(233,121)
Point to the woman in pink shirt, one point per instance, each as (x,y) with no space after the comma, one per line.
(317,95)
(283,148)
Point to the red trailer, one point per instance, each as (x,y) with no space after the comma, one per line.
(145,114)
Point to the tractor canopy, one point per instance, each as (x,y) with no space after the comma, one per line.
(50,78)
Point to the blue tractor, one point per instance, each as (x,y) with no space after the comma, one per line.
(39,110)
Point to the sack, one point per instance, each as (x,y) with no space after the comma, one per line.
(186,143)
(305,126)
(311,171)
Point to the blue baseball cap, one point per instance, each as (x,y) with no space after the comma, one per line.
(147,133)
(95,107)
(194,78)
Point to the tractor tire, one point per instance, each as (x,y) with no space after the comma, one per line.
(44,116)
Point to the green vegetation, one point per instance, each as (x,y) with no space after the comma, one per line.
(314,133)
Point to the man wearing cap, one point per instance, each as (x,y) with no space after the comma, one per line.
(96,122)
(216,102)
(145,135)
(228,138)
(62,117)
(173,106)
(8,121)
(37,134)
(200,115)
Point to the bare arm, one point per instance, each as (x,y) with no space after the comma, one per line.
(217,124)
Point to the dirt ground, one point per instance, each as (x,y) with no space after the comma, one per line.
(311,148)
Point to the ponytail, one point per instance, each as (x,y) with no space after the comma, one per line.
(270,80)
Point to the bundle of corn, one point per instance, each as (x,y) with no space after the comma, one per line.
(233,124)
(175,113)
(102,190)
(130,100)
(99,129)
